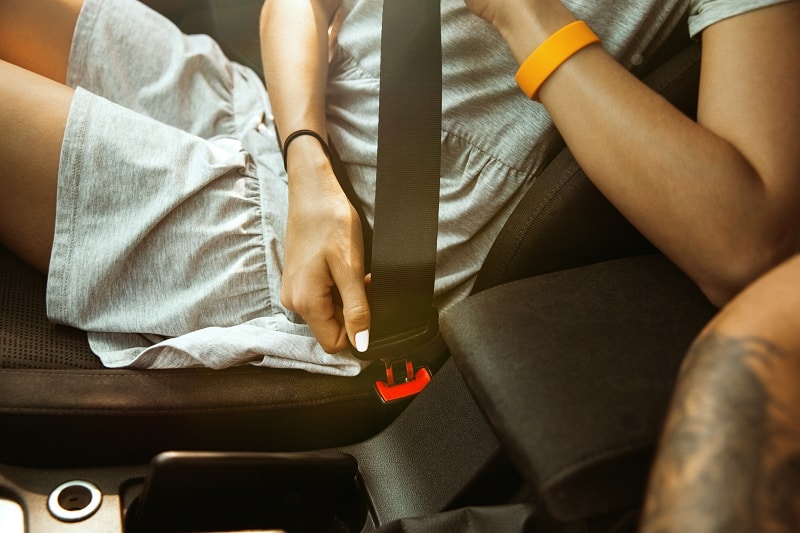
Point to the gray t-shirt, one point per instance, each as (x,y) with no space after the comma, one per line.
(704,13)
(494,140)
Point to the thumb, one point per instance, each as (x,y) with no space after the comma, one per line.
(355,307)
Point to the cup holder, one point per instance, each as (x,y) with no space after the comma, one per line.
(74,501)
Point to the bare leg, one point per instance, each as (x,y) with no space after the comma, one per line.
(33,114)
(38,34)
(34,46)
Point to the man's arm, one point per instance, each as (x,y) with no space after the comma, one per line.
(718,196)
(323,277)
(729,458)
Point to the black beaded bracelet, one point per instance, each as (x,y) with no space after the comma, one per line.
(294,135)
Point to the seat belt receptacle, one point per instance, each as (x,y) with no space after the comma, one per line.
(402,380)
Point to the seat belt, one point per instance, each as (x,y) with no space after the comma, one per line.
(406,219)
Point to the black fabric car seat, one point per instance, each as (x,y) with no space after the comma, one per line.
(58,407)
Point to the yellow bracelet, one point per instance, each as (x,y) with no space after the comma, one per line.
(551,54)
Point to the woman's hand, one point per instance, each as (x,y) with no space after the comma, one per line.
(323,278)
(492,11)
(522,23)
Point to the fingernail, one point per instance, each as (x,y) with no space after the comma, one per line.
(362,340)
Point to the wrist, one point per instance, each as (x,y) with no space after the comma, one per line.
(306,159)
(313,186)
(297,135)
(529,24)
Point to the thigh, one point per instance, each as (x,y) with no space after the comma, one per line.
(33,113)
(136,57)
(37,34)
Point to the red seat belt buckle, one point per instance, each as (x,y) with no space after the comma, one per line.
(404,384)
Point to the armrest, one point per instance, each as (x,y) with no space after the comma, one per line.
(574,371)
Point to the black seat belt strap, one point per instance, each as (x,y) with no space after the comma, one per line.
(407,192)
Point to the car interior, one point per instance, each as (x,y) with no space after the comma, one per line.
(549,385)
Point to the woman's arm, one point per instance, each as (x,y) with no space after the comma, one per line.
(718,196)
(729,458)
(323,278)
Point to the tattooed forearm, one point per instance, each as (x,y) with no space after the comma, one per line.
(729,459)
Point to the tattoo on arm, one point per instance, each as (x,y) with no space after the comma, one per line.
(730,455)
